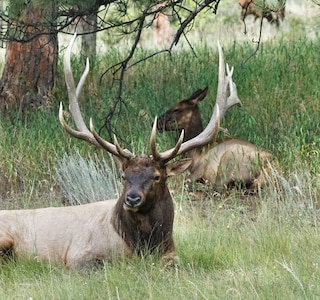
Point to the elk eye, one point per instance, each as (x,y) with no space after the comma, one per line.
(156,178)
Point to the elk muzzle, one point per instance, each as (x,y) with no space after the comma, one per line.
(167,123)
(132,201)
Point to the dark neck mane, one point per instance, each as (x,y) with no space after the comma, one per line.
(149,231)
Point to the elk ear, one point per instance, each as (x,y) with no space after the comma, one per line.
(178,167)
(198,96)
(121,163)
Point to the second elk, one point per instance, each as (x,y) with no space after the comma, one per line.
(231,162)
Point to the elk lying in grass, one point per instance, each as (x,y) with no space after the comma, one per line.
(225,163)
(258,10)
(140,221)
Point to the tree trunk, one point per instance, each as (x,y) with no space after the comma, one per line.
(30,66)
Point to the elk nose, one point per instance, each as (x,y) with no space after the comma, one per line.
(133,200)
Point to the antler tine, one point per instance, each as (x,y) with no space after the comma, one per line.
(123,152)
(233,97)
(153,146)
(83,78)
(82,135)
(223,81)
(167,155)
(113,149)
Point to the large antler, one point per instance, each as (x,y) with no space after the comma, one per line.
(83,132)
(202,139)
(223,103)
(205,137)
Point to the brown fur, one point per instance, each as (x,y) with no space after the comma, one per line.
(149,226)
(224,163)
(140,221)
(249,7)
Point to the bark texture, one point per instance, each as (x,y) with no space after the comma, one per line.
(30,66)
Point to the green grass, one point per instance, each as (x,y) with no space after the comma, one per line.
(231,246)
(278,88)
(225,252)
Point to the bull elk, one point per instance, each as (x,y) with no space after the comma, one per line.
(225,163)
(259,10)
(140,221)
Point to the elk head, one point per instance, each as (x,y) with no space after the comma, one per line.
(184,114)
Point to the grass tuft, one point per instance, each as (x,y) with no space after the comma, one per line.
(84,180)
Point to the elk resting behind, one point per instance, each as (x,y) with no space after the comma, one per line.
(222,163)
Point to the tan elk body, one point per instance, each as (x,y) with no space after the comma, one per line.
(140,221)
(73,235)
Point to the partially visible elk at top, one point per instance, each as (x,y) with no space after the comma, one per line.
(225,163)
(259,9)
(139,222)
(162,31)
